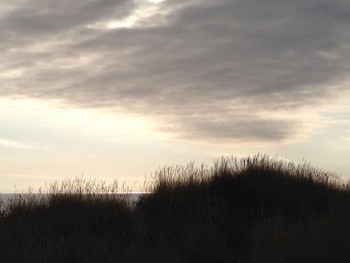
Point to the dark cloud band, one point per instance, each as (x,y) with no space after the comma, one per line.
(189,72)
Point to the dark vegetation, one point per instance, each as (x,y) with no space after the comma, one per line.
(256,209)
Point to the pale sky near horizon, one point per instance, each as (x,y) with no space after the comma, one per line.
(115,89)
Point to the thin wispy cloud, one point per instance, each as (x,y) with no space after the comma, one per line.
(12,144)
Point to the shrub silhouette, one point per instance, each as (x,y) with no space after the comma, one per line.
(257,209)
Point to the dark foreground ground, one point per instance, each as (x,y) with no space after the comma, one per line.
(252,210)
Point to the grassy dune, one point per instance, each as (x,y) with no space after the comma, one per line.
(257,209)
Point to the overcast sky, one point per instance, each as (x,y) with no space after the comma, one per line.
(117,88)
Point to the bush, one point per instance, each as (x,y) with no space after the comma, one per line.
(257,209)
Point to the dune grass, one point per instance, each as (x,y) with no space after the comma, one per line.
(256,209)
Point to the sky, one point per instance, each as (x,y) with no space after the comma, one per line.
(116,89)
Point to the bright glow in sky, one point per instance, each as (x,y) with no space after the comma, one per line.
(118,89)
(145,14)
(155,1)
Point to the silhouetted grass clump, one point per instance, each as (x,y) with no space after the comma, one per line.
(257,209)
(77,221)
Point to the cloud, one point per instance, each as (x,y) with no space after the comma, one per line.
(46,17)
(202,70)
(11,144)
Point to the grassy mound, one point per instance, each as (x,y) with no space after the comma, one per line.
(257,209)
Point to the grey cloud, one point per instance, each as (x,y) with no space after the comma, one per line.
(51,17)
(251,55)
(247,128)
